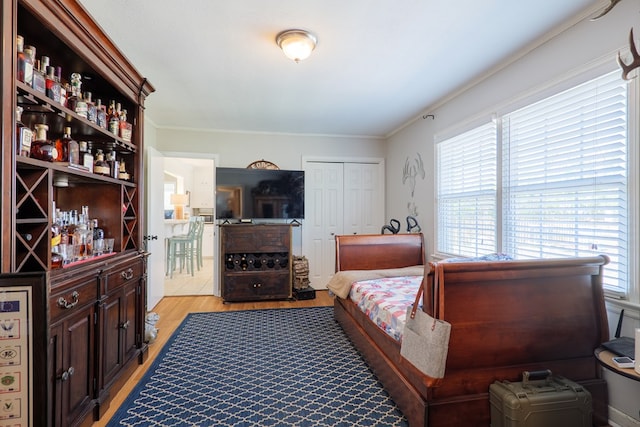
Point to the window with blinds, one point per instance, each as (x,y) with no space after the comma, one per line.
(466,192)
(563,187)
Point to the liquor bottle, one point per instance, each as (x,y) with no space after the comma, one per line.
(83,241)
(41,147)
(114,165)
(122,173)
(62,146)
(74,150)
(81,105)
(99,165)
(113,117)
(63,90)
(92,112)
(28,67)
(86,157)
(74,94)
(39,79)
(125,127)
(101,115)
(56,258)
(24,63)
(52,85)
(24,135)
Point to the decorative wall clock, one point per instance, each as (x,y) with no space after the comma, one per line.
(263,164)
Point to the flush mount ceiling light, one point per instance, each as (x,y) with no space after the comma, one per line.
(296,44)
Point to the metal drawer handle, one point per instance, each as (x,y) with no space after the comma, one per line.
(63,303)
(128,274)
(125,325)
(66,374)
(257,285)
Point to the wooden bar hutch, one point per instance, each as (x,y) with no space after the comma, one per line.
(93,312)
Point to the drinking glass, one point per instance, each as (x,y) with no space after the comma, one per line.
(108,245)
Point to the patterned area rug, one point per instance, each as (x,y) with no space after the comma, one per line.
(281,367)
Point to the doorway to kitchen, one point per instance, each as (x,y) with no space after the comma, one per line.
(189,192)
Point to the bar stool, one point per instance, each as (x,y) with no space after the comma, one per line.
(184,248)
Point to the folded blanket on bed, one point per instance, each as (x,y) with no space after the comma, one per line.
(340,283)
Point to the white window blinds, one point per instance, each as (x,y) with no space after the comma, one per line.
(565,177)
(466,193)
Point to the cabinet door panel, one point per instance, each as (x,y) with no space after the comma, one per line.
(78,372)
(112,350)
(130,295)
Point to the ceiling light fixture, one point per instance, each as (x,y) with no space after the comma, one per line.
(296,44)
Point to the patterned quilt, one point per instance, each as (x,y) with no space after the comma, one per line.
(385,301)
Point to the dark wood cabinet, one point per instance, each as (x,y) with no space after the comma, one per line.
(93,318)
(255,261)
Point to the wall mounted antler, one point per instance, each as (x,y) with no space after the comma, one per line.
(606,10)
(635,63)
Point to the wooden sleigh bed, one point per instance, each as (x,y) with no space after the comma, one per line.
(507,317)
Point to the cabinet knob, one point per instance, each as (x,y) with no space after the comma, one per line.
(125,325)
(257,285)
(63,303)
(127,274)
(66,374)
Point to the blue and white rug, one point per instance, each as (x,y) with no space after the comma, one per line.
(281,367)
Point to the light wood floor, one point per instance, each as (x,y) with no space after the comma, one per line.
(173,310)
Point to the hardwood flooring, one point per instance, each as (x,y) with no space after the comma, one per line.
(173,309)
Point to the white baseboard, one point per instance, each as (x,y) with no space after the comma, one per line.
(620,419)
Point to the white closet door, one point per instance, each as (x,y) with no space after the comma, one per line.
(323,218)
(363,196)
(340,198)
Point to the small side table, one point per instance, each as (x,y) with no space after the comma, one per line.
(604,356)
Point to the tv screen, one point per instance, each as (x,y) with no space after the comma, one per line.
(259,194)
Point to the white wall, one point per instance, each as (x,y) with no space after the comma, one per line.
(238,149)
(585,45)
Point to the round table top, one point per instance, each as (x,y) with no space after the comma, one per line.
(604,357)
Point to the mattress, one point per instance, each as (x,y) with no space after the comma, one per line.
(385,301)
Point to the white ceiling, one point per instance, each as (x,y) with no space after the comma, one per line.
(378,63)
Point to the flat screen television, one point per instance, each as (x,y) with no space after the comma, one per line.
(259,194)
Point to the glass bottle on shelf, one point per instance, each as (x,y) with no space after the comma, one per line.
(52,85)
(24,135)
(62,146)
(92,112)
(101,115)
(61,85)
(100,166)
(41,147)
(57,258)
(24,63)
(113,119)
(29,64)
(74,95)
(125,127)
(83,241)
(39,79)
(122,173)
(114,165)
(74,151)
(86,157)
(81,108)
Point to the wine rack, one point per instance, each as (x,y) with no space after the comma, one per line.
(257,261)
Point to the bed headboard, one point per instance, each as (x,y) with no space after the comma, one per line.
(379,251)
